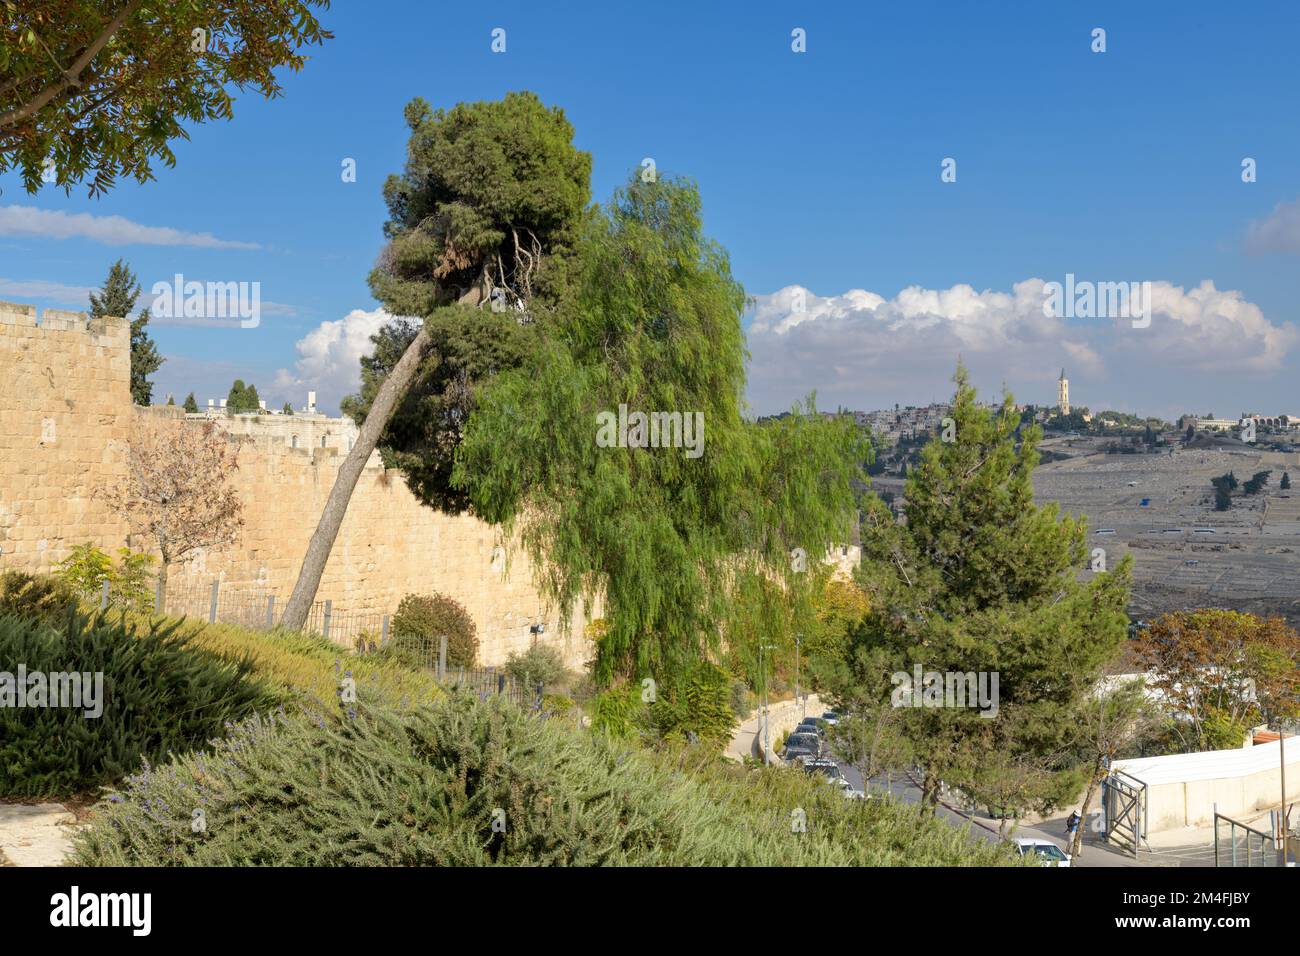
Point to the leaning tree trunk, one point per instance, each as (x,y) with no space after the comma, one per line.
(327,529)
(1076,842)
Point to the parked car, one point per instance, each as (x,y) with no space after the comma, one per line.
(1048,853)
(831,717)
(826,768)
(808,742)
(811,725)
(850,791)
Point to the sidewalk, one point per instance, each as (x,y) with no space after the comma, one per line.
(35,834)
(785,716)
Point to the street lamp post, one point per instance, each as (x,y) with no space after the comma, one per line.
(798,638)
(762,673)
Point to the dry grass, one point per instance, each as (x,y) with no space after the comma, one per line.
(298,665)
(295,663)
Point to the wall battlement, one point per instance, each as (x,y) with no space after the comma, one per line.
(65,412)
(108,332)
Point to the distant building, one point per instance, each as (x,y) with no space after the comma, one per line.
(306,429)
(911,421)
(1216,424)
(1063,394)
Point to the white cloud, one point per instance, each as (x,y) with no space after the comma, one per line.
(1277,232)
(329,358)
(110,230)
(42,289)
(862,350)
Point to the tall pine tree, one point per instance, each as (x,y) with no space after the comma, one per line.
(980,579)
(117,298)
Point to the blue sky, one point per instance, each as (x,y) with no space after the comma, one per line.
(818,170)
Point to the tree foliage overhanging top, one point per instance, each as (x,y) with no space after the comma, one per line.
(678,547)
(100,88)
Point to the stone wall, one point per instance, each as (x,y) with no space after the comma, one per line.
(65,408)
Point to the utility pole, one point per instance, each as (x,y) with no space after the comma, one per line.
(1286,830)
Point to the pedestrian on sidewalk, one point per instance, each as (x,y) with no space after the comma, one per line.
(1071,825)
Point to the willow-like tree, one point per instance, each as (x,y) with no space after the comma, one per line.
(480,229)
(679,539)
(980,580)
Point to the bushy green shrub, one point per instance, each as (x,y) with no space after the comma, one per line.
(464,782)
(558,704)
(34,595)
(696,703)
(742,698)
(131,586)
(85,570)
(537,665)
(157,694)
(617,712)
(129,581)
(422,619)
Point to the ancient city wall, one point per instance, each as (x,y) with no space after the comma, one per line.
(65,408)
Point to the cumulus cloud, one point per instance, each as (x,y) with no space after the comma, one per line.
(329,359)
(1277,232)
(863,350)
(110,230)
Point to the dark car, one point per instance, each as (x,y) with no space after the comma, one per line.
(811,725)
(797,756)
(804,744)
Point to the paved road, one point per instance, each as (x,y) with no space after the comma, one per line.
(1094,851)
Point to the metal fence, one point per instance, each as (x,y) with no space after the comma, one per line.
(260,608)
(366,632)
(1236,844)
(432,654)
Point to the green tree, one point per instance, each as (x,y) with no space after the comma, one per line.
(980,580)
(1257,482)
(1286,481)
(287,410)
(191,405)
(685,544)
(117,298)
(101,88)
(484,215)
(242,398)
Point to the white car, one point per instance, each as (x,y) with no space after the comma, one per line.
(850,792)
(1048,853)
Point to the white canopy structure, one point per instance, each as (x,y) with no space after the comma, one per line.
(1182,790)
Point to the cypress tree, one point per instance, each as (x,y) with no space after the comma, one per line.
(117,298)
